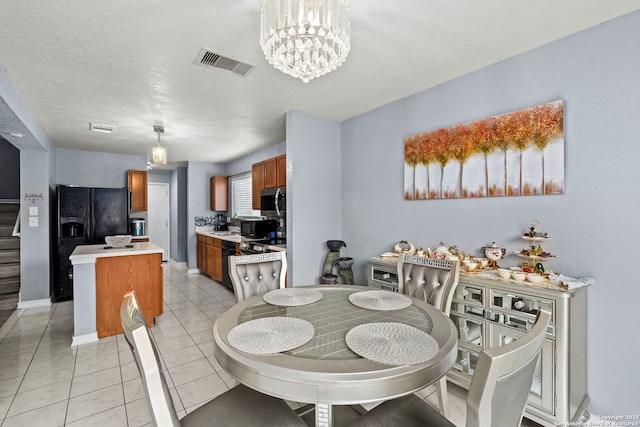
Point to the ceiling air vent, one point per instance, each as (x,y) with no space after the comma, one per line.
(208,58)
(95,127)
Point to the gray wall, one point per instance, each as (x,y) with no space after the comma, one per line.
(35,269)
(178,194)
(198,175)
(313,194)
(9,171)
(593,224)
(37,168)
(162,176)
(243,164)
(95,169)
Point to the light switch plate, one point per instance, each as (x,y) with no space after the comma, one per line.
(33,221)
(33,211)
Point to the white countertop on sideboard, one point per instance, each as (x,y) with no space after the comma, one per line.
(89,253)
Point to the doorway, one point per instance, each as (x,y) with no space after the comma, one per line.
(158,216)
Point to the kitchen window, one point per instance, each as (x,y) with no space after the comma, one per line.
(241,196)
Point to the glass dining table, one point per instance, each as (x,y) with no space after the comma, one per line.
(325,371)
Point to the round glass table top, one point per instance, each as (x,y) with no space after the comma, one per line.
(332,317)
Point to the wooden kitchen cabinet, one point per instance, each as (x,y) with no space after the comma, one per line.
(257,184)
(281,171)
(270,172)
(219,193)
(138,185)
(209,257)
(267,174)
(201,252)
(217,260)
(118,275)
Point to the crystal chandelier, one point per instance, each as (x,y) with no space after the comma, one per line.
(159,152)
(305,38)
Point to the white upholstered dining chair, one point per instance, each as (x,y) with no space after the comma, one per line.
(240,406)
(257,274)
(433,281)
(497,395)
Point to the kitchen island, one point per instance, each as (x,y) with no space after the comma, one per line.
(101,277)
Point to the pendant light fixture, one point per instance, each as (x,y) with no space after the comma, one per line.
(159,152)
(305,38)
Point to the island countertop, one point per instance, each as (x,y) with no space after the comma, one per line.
(89,253)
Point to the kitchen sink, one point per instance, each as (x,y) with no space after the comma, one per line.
(224,233)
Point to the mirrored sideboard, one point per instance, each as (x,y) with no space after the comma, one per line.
(490,312)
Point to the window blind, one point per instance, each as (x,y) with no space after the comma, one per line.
(241,196)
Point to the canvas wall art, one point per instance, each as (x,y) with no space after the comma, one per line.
(513,154)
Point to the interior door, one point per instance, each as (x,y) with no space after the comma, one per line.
(158,216)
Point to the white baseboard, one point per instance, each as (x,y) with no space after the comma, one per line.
(35,303)
(177,264)
(193,271)
(84,339)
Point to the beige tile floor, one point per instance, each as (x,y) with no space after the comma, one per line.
(46,382)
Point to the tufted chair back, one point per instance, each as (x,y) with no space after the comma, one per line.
(431,280)
(257,274)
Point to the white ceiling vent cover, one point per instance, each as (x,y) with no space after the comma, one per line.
(211,59)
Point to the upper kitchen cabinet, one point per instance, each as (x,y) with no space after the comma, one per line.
(270,172)
(219,193)
(138,187)
(257,184)
(267,174)
(281,171)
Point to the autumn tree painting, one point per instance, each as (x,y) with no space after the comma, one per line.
(518,153)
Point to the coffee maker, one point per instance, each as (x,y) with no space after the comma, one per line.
(220,223)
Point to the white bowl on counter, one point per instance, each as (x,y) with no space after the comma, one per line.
(504,273)
(119,241)
(534,277)
(518,275)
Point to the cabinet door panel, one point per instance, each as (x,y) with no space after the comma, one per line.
(201,256)
(219,193)
(270,172)
(257,184)
(138,188)
(281,171)
(209,260)
(217,264)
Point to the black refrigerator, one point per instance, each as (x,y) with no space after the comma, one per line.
(85,216)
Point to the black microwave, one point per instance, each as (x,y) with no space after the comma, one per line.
(257,228)
(273,202)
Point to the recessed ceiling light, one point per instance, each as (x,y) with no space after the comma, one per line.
(95,127)
(16,135)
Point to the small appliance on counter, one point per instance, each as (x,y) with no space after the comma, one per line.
(257,228)
(220,223)
(137,226)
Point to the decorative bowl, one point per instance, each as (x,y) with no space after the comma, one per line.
(518,276)
(118,241)
(483,262)
(534,277)
(504,274)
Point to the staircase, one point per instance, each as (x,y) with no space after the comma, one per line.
(9,260)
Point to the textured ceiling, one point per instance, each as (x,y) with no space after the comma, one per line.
(130,64)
